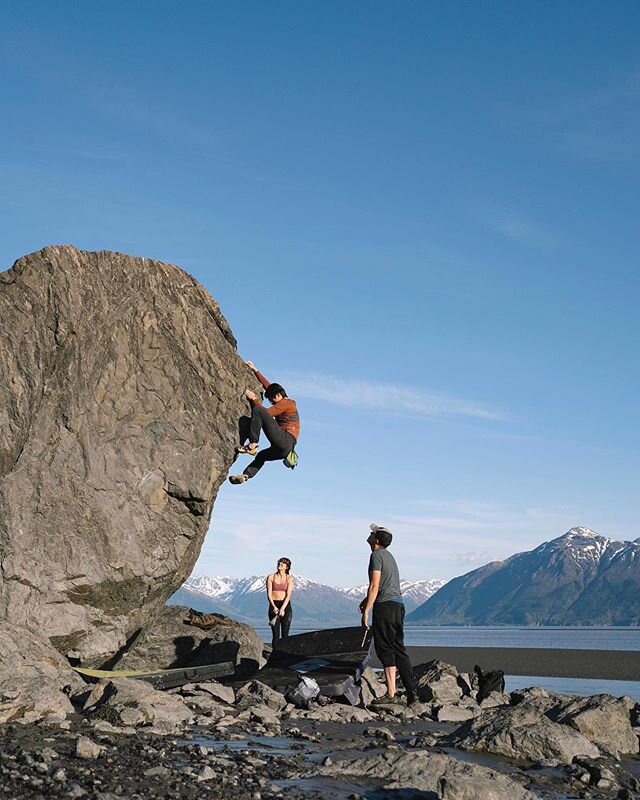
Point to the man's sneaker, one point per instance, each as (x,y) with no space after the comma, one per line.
(386,700)
(238,478)
(249,449)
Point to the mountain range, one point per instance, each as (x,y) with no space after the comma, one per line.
(580,578)
(315,604)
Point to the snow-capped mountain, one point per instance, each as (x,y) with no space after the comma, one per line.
(414,593)
(580,578)
(314,603)
(246,599)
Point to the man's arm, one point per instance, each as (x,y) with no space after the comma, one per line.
(258,374)
(372,593)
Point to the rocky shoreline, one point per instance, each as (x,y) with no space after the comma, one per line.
(125,739)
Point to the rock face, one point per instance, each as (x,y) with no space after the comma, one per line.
(120,393)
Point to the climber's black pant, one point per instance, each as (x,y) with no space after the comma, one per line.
(281,441)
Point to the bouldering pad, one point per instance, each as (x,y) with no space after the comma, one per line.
(334,658)
(164,678)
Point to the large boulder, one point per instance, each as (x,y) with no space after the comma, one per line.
(168,641)
(603,719)
(124,702)
(120,393)
(432,775)
(523,733)
(440,683)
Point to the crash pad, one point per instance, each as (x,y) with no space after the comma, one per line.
(164,678)
(335,658)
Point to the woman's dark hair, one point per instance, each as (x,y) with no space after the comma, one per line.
(285,560)
(273,389)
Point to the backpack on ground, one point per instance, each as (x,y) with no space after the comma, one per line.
(492,681)
(291,461)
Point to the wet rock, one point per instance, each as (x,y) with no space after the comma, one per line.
(262,714)
(605,775)
(120,393)
(134,703)
(522,733)
(379,733)
(441,775)
(426,739)
(170,641)
(337,713)
(256,693)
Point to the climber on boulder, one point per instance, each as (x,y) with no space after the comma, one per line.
(280,424)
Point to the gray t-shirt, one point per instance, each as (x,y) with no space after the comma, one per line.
(382,561)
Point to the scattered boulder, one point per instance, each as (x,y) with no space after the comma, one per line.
(87,748)
(124,702)
(35,681)
(603,719)
(120,394)
(370,686)
(454,713)
(169,641)
(442,776)
(335,712)
(494,699)
(524,734)
(379,733)
(256,693)
(218,691)
(439,683)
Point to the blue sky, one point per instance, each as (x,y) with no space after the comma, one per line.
(421,218)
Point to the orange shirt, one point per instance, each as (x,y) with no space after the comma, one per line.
(285,411)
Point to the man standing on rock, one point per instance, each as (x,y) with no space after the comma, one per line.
(280,424)
(385,598)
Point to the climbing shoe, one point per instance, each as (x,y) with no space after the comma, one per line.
(249,449)
(386,700)
(238,478)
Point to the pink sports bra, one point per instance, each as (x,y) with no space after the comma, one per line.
(279,587)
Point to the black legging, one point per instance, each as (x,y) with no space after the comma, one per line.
(388,640)
(281,441)
(280,628)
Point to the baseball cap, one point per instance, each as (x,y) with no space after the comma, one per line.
(383,535)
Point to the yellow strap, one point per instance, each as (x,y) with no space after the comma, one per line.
(131,673)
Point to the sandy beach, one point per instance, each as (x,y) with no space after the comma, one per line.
(622,665)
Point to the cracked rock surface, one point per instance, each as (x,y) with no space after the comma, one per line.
(120,393)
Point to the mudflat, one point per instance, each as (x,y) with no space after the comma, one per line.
(616,665)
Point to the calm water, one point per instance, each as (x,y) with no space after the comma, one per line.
(570,638)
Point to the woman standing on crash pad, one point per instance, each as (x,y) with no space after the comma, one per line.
(279,589)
